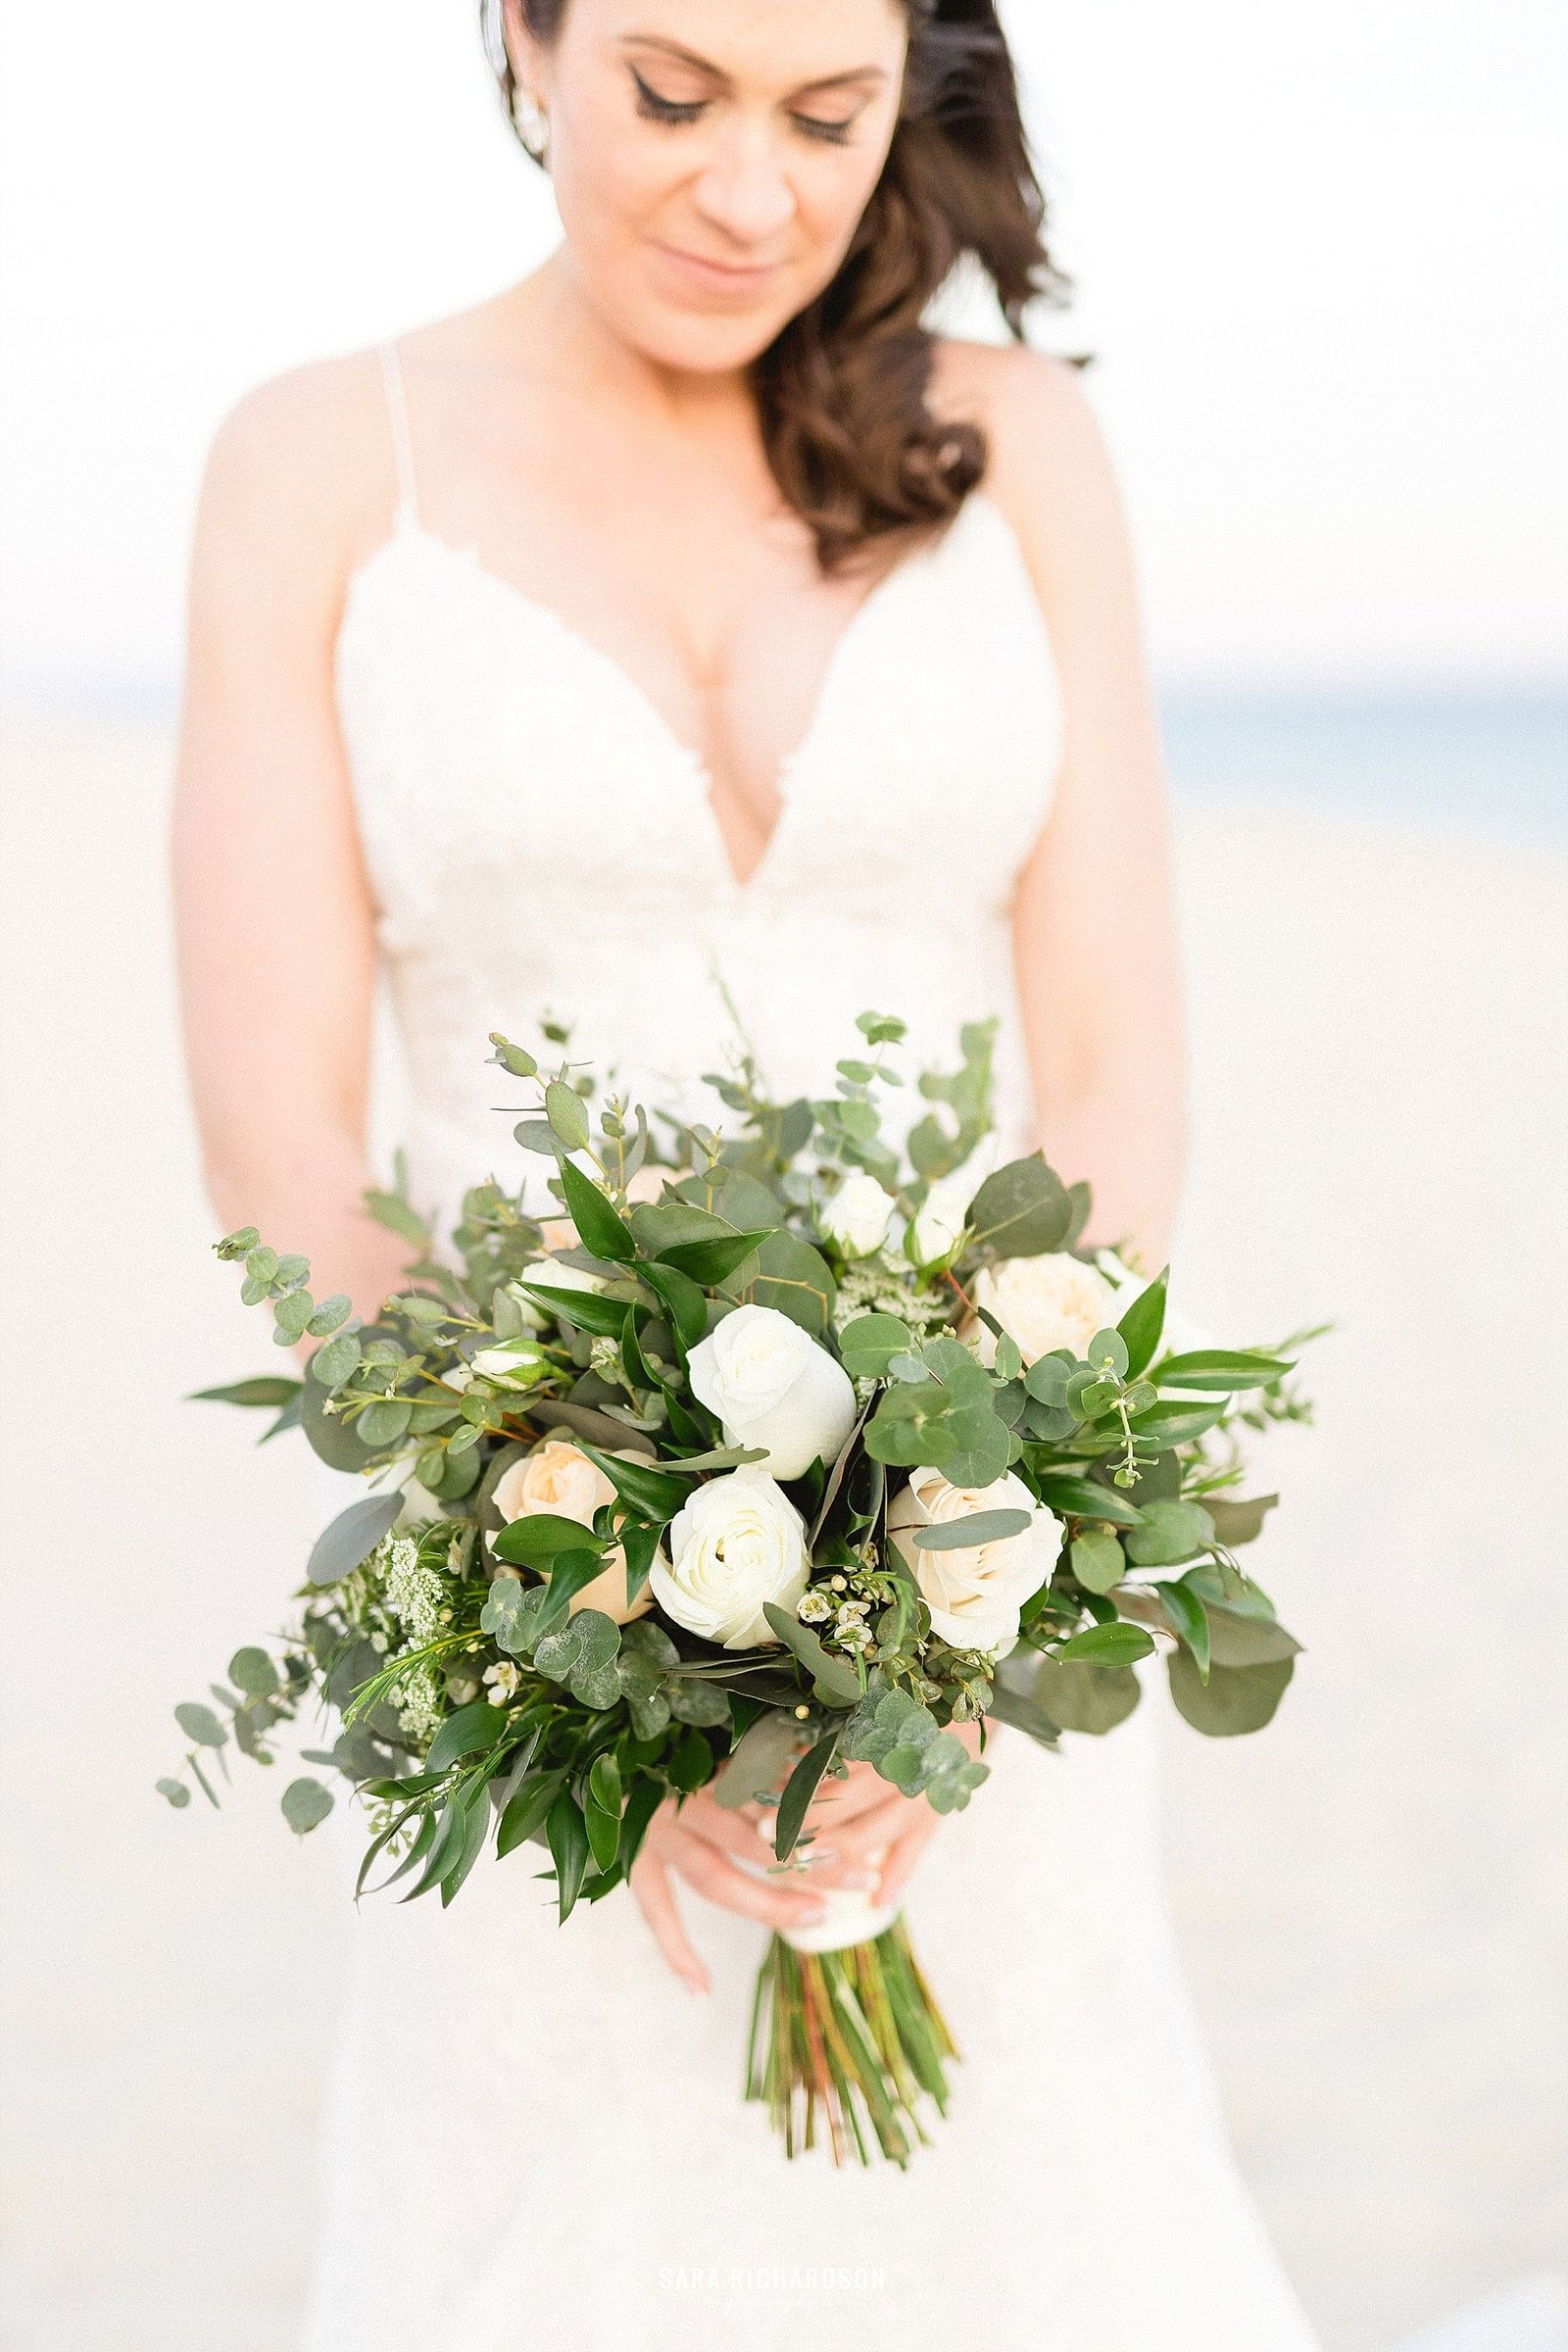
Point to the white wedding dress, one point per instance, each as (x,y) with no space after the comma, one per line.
(535,2136)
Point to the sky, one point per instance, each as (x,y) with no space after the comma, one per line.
(1322,262)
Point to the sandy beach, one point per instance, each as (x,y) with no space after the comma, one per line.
(1371,1899)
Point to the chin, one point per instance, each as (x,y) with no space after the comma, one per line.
(698,342)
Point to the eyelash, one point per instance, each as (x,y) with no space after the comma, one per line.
(675,113)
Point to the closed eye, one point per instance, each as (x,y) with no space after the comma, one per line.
(657,109)
(837,134)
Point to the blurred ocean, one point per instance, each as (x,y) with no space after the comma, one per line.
(1497,762)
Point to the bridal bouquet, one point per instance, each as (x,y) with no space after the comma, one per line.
(777,1448)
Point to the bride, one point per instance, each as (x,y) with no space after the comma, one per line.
(689,612)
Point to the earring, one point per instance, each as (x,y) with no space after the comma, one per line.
(533,124)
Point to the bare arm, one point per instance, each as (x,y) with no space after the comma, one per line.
(1094,925)
(274,915)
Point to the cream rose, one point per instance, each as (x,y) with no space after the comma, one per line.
(940,1218)
(557,1476)
(975,1595)
(772,1386)
(1043,1304)
(739,1542)
(858,1216)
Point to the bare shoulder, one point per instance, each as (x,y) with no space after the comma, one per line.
(303,464)
(1050,470)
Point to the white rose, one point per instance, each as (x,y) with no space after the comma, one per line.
(739,1542)
(559,1477)
(858,1216)
(1043,1304)
(512,1363)
(939,1220)
(975,1595)
(772,1386)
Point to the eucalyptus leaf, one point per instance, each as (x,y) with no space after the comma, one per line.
(1234,1700)
(306,1806)
(975,1528)
(352,1537)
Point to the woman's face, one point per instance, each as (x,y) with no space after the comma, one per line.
(712,157)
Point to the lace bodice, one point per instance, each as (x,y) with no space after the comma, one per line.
(539,840)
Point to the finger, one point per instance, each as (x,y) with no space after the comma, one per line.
(906,1851)
(858,1851)
(655,1899)
(715,1878)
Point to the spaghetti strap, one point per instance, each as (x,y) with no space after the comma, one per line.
(397,403)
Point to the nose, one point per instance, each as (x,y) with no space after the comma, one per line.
(745,191)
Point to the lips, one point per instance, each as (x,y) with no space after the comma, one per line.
(720,278)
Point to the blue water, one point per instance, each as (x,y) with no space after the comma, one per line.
(1495,762)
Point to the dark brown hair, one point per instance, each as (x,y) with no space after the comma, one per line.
(840,393)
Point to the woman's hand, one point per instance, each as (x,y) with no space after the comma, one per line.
(860,1834)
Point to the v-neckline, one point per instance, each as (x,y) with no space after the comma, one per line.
(410,529)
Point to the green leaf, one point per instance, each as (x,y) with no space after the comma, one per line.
(514,1615)
(691,1767)
(512,1059)
(1241,1637)
(1236,1521)
(385,1422)
(1009,1705)
(568,1116)
(762,1760)
(1234,1699)
(687,1305)
(1186,1615)
(1222,1368)
(352,1537)
(868,1345)
(1107,1353)
(603,1784)
(1098,1561)
(834,1680)
(600,1226)
(1116,1645)
(1082,1498)
(1142,1325)
(569,1574)
(653,1495)
(1176,1424)
(1047,1378)
(569,1849)
(974,1529)
(793,1278)
(306,1806)
(800,1790)
(176,1793)
(583,1656)
(535,1540)
(200,1724)
(1091,1699)
(1172,1532)
(253,1672)
(713,1262)
(583,1311)
(1021,1211)
(268,1391)
(526,1810)
(472,1728)
(399,1216)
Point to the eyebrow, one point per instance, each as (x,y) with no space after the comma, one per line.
(866,76)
